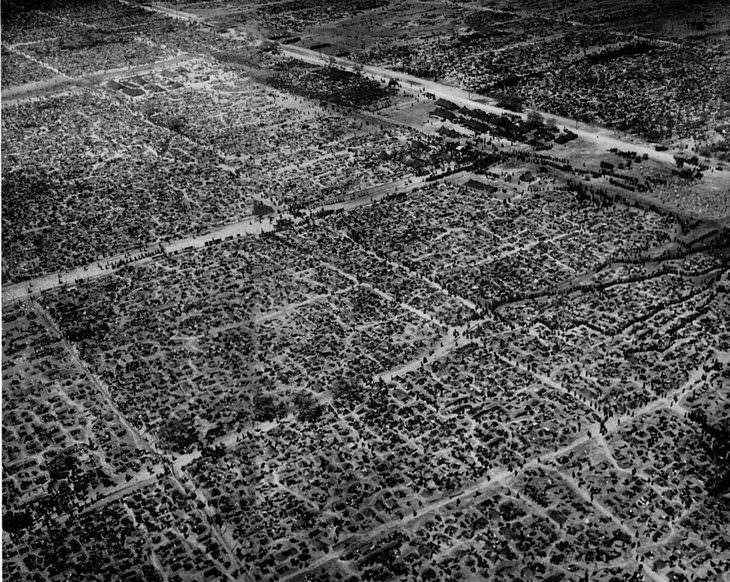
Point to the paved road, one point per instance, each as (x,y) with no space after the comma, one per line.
(250,225)
(62,82)
(142,440)
(108,265)
(500,476)
(179,14)
(603,138)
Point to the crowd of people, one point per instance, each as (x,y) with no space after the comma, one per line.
(626,374)
(491,374)
(328,153)
(555,67)
(294,16)
(217,130)
(18,69)
(63,448)
(493,57)
(474,246)
(306,336)
(92,52)
(320,338)
(22,25)
(146,183)
(665,94)
(331,85)
(76,38)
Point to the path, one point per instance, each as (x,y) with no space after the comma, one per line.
(247,226)
(61,82)
(603,138)
(143,441)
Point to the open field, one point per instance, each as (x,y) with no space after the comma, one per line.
(365,290)
(570,60)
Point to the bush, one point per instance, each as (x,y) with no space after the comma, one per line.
(307,407)
(266,408)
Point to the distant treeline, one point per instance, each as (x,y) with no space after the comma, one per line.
(635,48)
(48,4)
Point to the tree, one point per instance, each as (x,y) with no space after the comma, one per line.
(179,433)
(15,521)
(261,209)
(345,389)
(307,407)
(509,101)
(534,119)
(266,408)
(175,123)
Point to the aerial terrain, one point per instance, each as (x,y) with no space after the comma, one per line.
(366,290)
